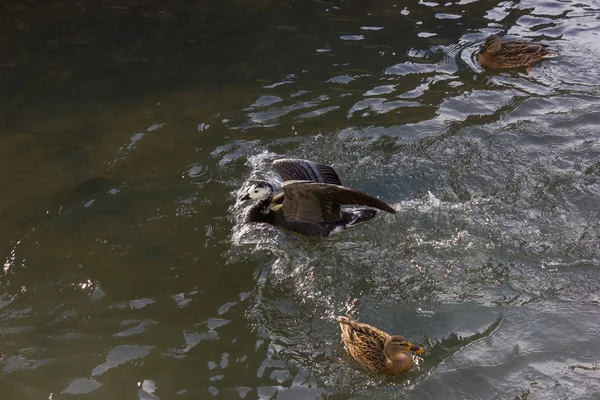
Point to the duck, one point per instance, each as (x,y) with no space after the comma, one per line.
(376,350)
(311,202)
(511,54)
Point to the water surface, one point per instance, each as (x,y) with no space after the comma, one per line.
(127,129)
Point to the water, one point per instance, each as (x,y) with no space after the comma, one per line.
(127,129)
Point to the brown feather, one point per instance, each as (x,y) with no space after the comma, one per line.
(304,198)
(277,199)
(367,345)
(512,54)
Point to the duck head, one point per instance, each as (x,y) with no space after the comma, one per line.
(492,44)
(396,345)
(259,191)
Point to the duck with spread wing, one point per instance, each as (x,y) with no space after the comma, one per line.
(312,200)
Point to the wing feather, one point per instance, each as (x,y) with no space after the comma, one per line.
(364,342)
(319,202)
(366,332)
(299,205)
(291,169)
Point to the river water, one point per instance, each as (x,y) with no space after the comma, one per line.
(127,128)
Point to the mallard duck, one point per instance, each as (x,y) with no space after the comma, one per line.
(513,54)
(376,350)
(311,200)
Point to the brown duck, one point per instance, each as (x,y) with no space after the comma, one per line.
(376,350)
(511,54)
(311,200)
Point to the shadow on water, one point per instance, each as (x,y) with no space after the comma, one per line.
(127,129)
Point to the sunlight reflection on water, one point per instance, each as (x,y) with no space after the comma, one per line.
(128,136)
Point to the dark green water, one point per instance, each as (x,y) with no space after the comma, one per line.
(127,128)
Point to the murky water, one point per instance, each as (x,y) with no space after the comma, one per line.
(128,127)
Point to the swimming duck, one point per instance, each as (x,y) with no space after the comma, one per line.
(513,54)
(311,200)
(376,350)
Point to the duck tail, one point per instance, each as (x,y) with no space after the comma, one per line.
(346,328)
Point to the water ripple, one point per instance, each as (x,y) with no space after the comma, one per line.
(125,253)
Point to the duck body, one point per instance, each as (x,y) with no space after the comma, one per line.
(376,350)
(311,200)
(511,54)
(267,212)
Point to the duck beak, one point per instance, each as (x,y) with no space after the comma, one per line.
(416,349)
(482,51)
(244,197)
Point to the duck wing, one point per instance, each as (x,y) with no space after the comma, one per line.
(307,201)
(364,342)
(291,169)
(534,48)
(524,47)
